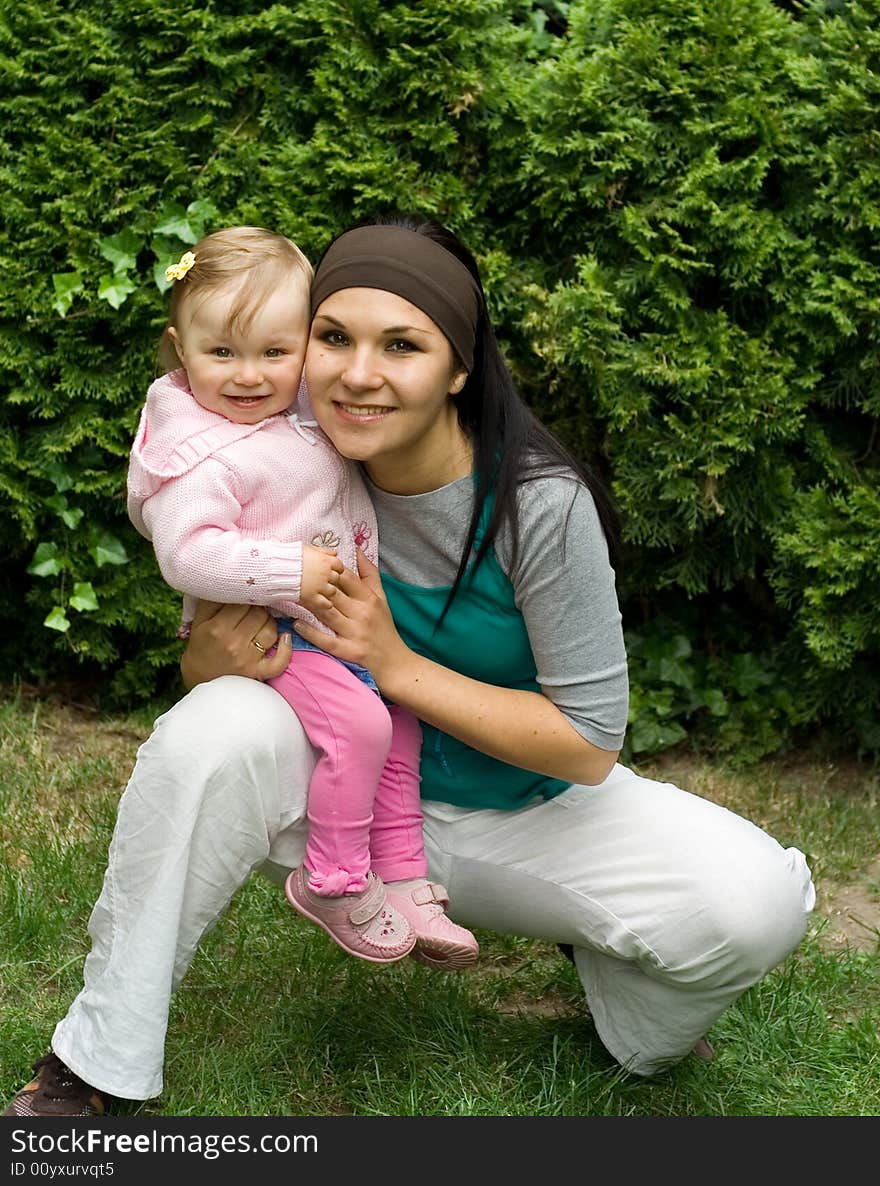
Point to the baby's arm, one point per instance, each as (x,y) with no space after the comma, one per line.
(201,551)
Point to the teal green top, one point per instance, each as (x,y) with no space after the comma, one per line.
(482,636)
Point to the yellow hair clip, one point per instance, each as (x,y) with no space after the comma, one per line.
(179,270)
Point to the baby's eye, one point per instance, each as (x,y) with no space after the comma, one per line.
(222,352)
(274,352)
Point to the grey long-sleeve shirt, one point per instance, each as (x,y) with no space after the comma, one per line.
(563,586)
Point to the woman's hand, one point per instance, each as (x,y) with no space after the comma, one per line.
(361,621)
(233,640)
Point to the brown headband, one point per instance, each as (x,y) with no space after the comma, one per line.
(411,266)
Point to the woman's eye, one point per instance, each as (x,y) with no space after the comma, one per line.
(333,337)
(402,346)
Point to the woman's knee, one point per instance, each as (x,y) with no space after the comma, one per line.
(218,705)
(231,735)
(776,913)
(732,903)
(740,931)
(224,720)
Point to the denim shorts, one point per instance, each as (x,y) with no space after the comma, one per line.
(285,625)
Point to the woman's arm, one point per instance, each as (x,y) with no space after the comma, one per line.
(522,728)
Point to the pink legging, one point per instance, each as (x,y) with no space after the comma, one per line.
(363,807)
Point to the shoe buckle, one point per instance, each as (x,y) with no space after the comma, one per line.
(430,893)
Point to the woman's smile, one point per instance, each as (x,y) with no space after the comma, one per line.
(361,411)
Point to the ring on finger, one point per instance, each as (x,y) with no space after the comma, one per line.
(255,642)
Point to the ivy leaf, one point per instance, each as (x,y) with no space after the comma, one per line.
(716,702)
(167,252)
(107,549)
(163,262)
(652,736)
(59,477)
(57,620)
(121,250)
(83,596)
(174,220)
(46,561)
(71,516)
(116,289)
(67,285)
(200,212)
(673,672)
(187,225)
(748,674)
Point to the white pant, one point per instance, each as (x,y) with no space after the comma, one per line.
(674,905)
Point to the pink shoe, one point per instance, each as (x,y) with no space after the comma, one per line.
(440,943)
(362,924)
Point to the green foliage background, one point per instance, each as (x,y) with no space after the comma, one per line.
(675,204)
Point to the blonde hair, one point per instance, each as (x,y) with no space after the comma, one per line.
(257,261)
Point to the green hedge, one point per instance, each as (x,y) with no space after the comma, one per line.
(674,203)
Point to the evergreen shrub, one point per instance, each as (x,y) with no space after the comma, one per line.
(698,193)
(674,203)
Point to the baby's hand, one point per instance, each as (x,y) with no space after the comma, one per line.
(320,576)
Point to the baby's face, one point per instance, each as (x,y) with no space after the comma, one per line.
(247,375)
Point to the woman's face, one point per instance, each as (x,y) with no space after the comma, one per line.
(380,374)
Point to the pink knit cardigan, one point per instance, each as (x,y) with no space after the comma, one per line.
(228,506)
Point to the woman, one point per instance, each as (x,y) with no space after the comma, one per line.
(495,623)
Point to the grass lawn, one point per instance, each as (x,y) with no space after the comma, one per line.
(274,1020)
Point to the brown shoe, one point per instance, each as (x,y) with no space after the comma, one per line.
(56,1091)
